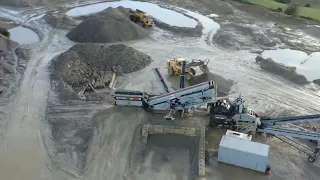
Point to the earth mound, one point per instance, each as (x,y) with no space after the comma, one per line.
(281,70)
(7,64)
(110,25)
(224,85)
(60,21)
(81,62)
(317,81)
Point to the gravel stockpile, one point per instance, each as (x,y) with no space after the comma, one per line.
(317,81)
(110,25)
(281,70)
(79,64)
(224,85)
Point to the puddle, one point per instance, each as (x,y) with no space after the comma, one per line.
(210,27)
(286,56)
(309,66)
(23,35)
(165,15)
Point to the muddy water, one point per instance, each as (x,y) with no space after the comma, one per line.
(165,15)
(309,66)
(23,35)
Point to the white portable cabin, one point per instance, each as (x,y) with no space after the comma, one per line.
(243,153)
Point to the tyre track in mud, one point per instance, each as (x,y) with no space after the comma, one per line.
(22,141)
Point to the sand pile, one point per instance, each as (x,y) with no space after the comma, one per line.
(79,64)
(110,25)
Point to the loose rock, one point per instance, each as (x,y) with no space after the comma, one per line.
(78,65)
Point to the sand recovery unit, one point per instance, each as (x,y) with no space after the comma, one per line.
(233,114)
(230,112)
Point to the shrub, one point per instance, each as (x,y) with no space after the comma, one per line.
(4,32)
(307,5)
(291,10)
(284,1)
(279,9)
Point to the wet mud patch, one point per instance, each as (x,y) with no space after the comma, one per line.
(265,36)
(85,138)
(242,37)
(174,159)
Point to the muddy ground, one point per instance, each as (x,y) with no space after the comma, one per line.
(68,139)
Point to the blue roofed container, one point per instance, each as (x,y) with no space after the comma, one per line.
(243,153)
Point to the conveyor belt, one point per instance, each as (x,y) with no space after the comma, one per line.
(161,79)
(292,133)
(286,120)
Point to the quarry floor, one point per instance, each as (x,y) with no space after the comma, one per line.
(43,137)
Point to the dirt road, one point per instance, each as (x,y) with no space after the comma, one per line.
(22,145)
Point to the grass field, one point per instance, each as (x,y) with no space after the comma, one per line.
(311,12)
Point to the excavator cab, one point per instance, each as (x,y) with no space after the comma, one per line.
(139,16)
(174,68)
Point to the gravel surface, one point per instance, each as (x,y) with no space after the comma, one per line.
(110,25)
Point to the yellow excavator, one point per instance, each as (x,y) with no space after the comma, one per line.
(140,17)
(174,67)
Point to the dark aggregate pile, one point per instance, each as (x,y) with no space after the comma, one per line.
(224,85)
(317,81)
(281,70)
(79,64)
(110,25)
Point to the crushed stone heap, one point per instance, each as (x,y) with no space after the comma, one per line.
(110,25)
(78,64)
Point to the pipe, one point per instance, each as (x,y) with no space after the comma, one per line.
(182,74)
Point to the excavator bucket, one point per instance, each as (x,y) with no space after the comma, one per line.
(204,66)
